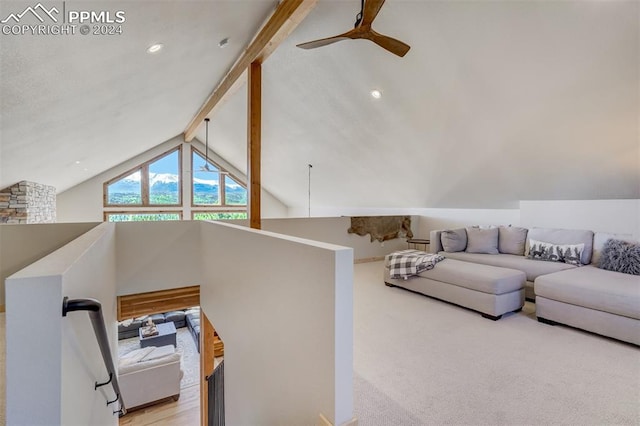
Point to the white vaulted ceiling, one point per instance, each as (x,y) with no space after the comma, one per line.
(496,101)
(102,99)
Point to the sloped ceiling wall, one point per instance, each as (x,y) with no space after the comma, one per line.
(496,102)
(101,99)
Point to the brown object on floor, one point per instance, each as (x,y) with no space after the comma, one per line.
(381,228)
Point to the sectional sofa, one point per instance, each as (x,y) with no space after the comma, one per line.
(559,271)
(130,328)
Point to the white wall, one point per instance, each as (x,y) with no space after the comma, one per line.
(283,305)
(612,216)
(301,212)
(22,245)
(288,351)
(158,255)
(334,230)
(52,361)
(433,219)
(84,202)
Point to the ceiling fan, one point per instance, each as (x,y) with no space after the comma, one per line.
(206,167)
(362,29)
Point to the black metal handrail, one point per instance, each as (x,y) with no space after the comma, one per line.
(94,309)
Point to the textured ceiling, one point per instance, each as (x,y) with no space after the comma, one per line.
(496,101)
(101,100)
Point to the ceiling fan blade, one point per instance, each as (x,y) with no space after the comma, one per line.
(371,9)
(322,42)
(389,43)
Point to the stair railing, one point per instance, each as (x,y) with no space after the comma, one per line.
(94,309)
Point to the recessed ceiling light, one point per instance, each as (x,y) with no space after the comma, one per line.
(77,161)
(155,48)
(376,94)
(222,43)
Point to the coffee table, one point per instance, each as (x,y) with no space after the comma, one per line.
(166,336)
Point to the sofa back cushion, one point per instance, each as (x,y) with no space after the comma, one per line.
(512,240)
(453,240)
(481,240)
(563,236)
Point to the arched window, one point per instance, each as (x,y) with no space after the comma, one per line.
(153,191)
(154,183)
(213,186)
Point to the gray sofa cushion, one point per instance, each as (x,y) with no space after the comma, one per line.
(156,318)
(453,240)
(512,240)
(564,236)
(532,268)
(593,288)
(481,240)
(134,325)
(483,278)
(174,316)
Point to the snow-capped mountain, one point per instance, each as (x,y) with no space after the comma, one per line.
(167,182)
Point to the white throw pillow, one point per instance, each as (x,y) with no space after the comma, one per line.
(565,253)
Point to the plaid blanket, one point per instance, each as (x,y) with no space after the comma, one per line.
(405,263)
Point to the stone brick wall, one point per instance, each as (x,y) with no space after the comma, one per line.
(28,202)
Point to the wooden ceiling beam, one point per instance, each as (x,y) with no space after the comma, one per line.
(254,147)
(282,22)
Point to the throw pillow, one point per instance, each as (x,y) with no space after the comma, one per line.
(621,256)
(601,238)
(566,253)
(453,240)
(511,240)
(482,240)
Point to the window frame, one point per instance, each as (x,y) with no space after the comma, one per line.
(144,182)
(106,214)
(194,212)
(223,206)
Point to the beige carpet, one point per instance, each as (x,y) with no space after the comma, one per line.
(420,361)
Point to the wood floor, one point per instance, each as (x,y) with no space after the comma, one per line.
(183,412)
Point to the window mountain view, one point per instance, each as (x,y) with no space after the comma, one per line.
(164,189)
(212,188)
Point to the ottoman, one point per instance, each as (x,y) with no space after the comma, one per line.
(166,336)
(490,290)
